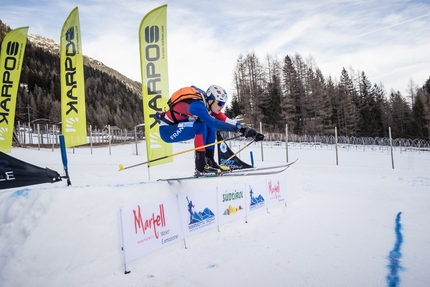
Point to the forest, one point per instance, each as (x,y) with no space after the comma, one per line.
(110,100)
(294,92)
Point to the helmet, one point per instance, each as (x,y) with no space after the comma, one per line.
(216,93)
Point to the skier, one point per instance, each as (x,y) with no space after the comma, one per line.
(196,114)
(190,210)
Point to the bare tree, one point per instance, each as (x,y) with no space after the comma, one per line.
(412,91)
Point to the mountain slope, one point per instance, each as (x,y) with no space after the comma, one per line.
(111,98)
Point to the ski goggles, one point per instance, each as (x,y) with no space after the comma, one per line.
(220,103)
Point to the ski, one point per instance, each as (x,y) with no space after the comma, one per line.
(209,175)
(238,172)
(259,171)
(251,169)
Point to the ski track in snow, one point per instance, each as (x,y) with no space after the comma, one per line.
(393,278)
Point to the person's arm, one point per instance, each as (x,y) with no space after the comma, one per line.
(245,131)
(222,117)
(198,109)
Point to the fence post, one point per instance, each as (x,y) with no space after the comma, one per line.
(47,133)
(335,137)
(53,137)
(110,140)
(30,138)
(19,132)
(286,141)
(135,138)
(91,139)
(38,137)
(261,143)
(391,146)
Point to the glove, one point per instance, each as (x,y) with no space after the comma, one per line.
(259,137)
(250,133)
(247,132)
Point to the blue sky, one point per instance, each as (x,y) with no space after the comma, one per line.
(388,40)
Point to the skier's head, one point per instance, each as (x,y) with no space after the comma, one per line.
(216,98)
(217,94)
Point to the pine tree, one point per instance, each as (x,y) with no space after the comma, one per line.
(318,105)
(324,104)
(293,96)
(347,112)
(331,92)
(419,120)
(234,109)
(271,105)
(424,93)
(369,109)
(249,84)
(400,115)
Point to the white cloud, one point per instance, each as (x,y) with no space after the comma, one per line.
(386,40)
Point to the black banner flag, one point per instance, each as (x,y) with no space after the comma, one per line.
(16,173)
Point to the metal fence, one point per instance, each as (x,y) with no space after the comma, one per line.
(42,135)
(347,140)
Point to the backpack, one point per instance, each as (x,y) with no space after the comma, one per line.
(188,95)
(183,95)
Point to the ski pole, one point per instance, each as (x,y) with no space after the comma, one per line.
(121,167)
(64,159)
(253,140)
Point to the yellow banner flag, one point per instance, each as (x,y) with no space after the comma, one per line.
(11,57)
(73,113)
(155,82)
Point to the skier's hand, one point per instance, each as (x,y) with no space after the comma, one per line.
(250,133)
(259,137)
(245,131)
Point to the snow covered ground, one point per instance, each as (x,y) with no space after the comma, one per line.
(339,227)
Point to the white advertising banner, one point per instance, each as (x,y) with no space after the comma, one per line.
(276,187)
(231,202)
(149,226)
(256,196)
(198,210)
